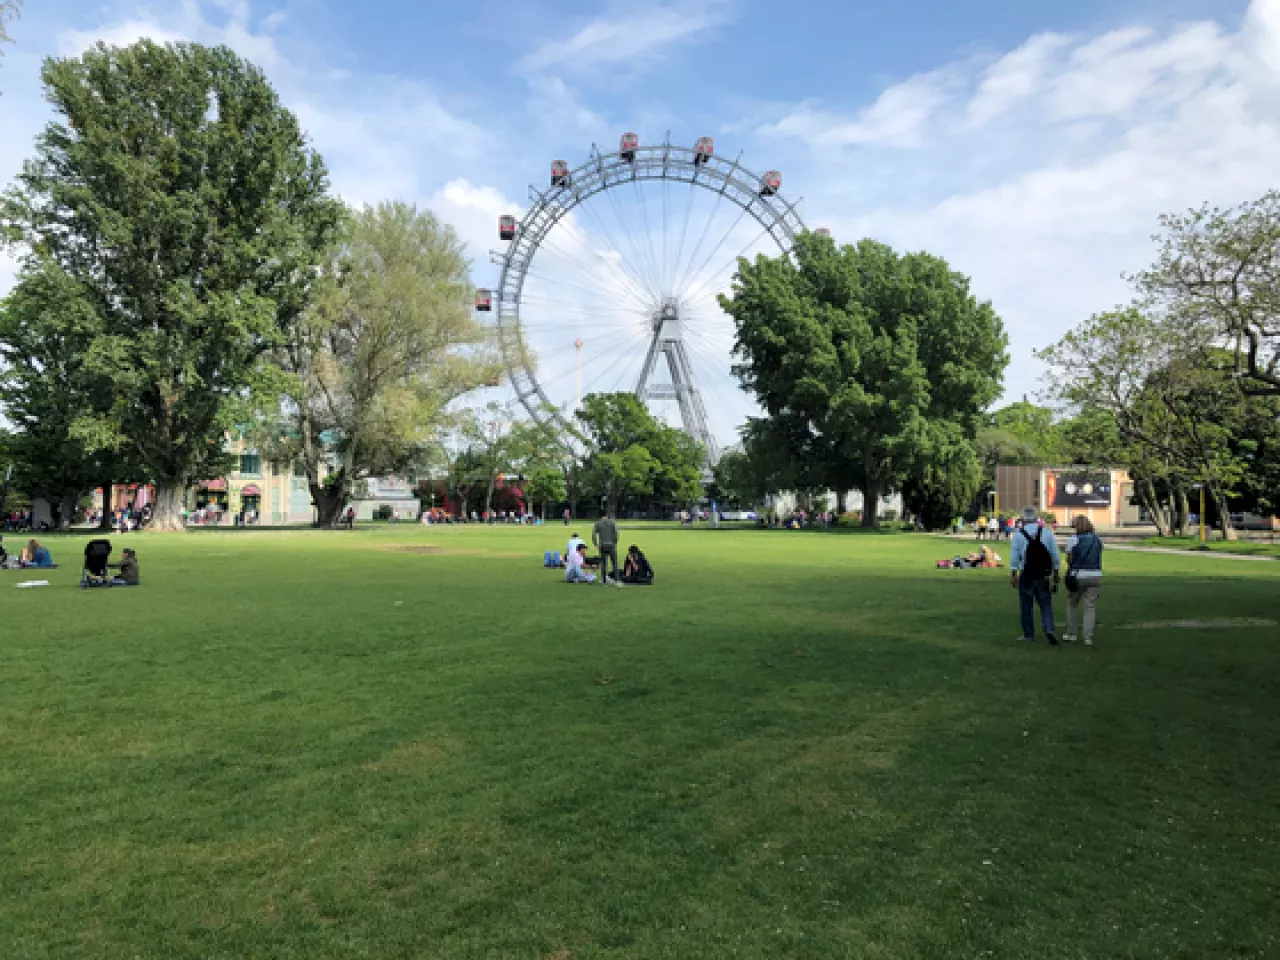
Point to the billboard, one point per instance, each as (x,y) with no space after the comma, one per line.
(1078,488)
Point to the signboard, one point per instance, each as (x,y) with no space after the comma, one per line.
(1078,488)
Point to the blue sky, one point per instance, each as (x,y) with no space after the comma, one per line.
(1033,144)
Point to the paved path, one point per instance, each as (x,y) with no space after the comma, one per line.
(1189,553)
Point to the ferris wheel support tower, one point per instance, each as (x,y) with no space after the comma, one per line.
(668,343)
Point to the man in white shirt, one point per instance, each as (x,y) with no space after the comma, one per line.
(572,547)
(574,571)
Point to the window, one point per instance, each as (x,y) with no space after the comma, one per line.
(250,464)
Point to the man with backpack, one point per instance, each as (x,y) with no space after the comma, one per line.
(1033,562)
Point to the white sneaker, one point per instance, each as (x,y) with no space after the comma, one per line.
(1069,638)
(1088,643)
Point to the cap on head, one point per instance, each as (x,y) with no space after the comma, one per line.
(1029,515)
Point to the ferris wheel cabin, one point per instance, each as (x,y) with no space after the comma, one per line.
(770,183)
(506,227)
(559,173)
(703,150)
(484,300)
(627,147)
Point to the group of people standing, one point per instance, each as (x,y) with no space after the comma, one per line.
(1035,564)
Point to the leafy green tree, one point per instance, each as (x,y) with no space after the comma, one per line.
(944,479)
(632,454)
(8,11)
(183,200)
(51,393)
(1219,271)
(389,344)
(865,348)
(1176,402)
(545,486)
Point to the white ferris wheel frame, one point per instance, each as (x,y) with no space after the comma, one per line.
(669,162)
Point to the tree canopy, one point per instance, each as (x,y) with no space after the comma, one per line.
(631,454)
(181,199)
(1219,271)
(871,363)
(390,343)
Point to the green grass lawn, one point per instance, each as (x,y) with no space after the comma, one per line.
(411,742)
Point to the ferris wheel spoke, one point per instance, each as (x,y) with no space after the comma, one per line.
(613,279)
(637,282)
(594,292)
(730,264)
(625,355)
(684,230)
(693,254)
(612,349)
(696,271)
(642,203)
(635,247)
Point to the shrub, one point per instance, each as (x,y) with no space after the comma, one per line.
(383,512)
(889,515)
(851,519)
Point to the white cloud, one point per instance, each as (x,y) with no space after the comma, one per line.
(900,117)
(623,39)
(1015,77)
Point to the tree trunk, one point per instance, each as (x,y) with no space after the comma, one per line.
(104,522)
(1224,516)
(67,511)
(870,493)
(167,514)
(329,505)
(842,502)
(1146,496)
(488,494)
(1180,511)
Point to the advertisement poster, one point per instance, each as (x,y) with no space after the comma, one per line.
(1077,488)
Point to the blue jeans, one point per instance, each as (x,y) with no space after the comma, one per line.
(1030,593)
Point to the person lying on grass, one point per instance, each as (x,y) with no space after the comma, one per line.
(575,567)
(636,569)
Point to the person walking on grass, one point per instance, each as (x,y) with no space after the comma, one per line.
(604,536)
(1084,580)
(1033,565)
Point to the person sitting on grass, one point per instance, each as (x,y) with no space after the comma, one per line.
(34,555)
(572,547)
(575,564)
(128,576)
(636,569)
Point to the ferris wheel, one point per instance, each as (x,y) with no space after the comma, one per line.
(609,280)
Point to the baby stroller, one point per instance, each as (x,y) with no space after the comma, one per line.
(96,555)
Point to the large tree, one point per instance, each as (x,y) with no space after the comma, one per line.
(865,348)
(1220,269)
(52,394)
(390,342)
(1176,402)
(630,454)
(182,198)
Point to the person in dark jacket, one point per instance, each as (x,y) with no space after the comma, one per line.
(128,576)
(636,569)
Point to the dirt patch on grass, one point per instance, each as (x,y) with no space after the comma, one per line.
(1214,623)
(414,755)
(408,548)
